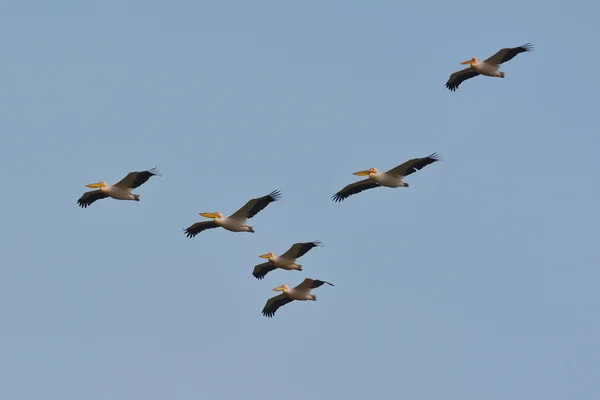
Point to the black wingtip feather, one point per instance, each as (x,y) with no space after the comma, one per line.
(189,234)
(528,46)
(315,243)
(452,87)
(275,195)
(154,171)
(318,283)
(435,156)
(338,198)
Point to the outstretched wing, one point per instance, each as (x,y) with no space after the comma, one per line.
(507,54)
(254,206)
(89,197)
(413,165)
(263,269)
(459,77)
(310,283)
(199,227)
(136,179)
(274,303)
(354,188)
(299,249)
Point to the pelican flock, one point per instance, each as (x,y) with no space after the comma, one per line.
(288,261)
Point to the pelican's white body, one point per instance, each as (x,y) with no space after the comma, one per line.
(285,263)
(487,69)
(119,193)
(298,294)
(233,224)
(387,179)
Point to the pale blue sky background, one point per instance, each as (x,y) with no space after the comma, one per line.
(478,282)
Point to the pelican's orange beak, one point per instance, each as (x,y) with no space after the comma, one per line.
(264,256)
(365,172)
(209,215)
(278,289)
(95,185)
(468,62)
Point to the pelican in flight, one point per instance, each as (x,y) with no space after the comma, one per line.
(119,191)
(285,261)
(236,222)
(300,293)
(391,178)
(489,67)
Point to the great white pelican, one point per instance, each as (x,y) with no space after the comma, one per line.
(391,178)
(300,293)
(236,222)
(488,67)
(119,191)
(285,261)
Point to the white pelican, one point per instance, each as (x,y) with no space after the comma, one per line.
(285,261)
(236,222)
(489,67)
(300,293)
(391,178)
(119,191)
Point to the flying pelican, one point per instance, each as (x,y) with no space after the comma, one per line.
(489,67)
(119,191)
(391,178)
(300,293)
(285,261)
(236,222)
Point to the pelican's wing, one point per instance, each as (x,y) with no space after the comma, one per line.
(459,77)
(414,165)
(135,179)
(263,269)
(508,54)
(354,188)
(89,197)
(309,284)
(254,206)
(299,249)
(274,303)
(199,227)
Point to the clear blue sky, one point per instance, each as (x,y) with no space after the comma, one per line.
(478,282)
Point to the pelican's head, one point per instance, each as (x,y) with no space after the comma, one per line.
(269,256)
(472,61)
(212,215)
(98,185)
(281,288)
(367,172)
